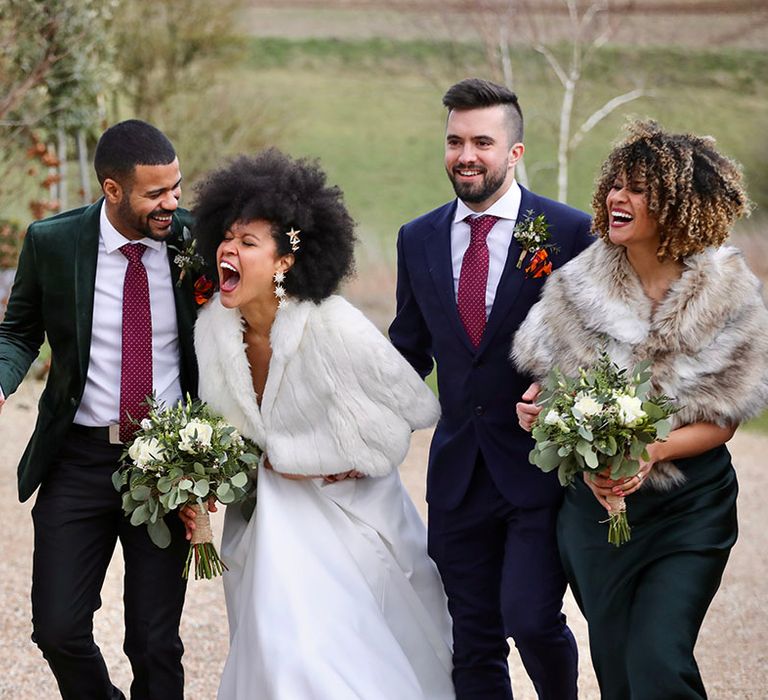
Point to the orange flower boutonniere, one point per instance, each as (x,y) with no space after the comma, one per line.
(540,265)
(532,233)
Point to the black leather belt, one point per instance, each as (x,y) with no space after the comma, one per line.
(105,433)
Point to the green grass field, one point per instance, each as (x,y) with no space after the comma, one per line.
(370,110)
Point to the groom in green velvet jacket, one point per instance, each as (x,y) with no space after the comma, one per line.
(72,286)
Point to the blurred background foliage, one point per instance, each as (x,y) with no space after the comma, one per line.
(358,84)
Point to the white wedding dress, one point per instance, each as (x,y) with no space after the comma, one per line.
(330,592)
(331,595)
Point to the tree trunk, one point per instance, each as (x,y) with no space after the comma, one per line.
(84,167)
(563,147)
(53,186)
(63,169)
(521,174)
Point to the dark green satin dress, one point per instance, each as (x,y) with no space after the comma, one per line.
(645,601)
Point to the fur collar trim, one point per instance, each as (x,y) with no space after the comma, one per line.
(338,396)
(707,339)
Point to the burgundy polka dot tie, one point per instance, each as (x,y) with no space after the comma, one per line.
(473,278)
(136,368)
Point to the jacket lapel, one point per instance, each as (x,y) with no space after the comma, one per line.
(512,278)
(86,251)
(438,253)
(186,310)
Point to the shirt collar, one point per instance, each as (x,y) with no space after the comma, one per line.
(505,207)
(113,239)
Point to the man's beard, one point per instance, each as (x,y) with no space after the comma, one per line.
(134,220)
(474,194)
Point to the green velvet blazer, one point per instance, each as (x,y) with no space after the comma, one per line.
(52,296)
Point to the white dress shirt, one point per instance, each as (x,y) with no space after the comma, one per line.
(101,399)
(507,208)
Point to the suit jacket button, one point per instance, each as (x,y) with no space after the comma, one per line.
(479,410)
(73,400)
(477,363)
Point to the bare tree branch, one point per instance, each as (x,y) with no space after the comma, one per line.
(599,114)
(15,96)
(554,63)
(591,14)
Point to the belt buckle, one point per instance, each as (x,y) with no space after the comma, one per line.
(114,434)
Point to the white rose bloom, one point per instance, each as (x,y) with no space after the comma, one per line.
(146,424)
(630,409)
(552,418)
(135,449)
(195,434)
(587,406)
(144,451)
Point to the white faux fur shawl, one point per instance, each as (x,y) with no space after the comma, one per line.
(707,339)
(338,395)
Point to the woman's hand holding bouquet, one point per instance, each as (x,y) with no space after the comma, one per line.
(182,456)
(601,424)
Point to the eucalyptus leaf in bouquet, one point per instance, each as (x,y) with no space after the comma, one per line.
(603,418)
(184,455)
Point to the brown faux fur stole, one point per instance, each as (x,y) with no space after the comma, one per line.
(707,339)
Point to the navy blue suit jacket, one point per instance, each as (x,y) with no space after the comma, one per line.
(478,387)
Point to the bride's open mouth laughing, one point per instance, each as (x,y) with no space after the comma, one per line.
(229,277)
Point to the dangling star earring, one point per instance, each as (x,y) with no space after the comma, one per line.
(279,277)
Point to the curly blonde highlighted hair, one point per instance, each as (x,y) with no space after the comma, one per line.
(694,193)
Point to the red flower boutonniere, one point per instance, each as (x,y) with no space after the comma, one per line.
(532,233)
(203,290)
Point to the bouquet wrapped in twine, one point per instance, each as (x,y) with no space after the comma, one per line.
(598,421)
(184,455)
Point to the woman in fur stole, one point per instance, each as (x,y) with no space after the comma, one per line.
(659,285)
(330,592)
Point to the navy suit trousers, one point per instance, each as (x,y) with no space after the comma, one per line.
(503,577)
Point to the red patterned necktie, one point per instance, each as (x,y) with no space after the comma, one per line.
(473,278)
(136,368)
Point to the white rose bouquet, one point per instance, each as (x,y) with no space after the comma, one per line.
(184,455)
(602,419)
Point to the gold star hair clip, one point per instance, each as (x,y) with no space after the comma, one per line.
(293,234)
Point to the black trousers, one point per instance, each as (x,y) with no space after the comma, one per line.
(78,519)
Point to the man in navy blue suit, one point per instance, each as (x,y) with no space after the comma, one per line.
(460,297)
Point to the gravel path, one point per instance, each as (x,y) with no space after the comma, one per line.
(732,650)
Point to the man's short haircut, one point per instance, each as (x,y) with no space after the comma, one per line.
(475,93)
(127,144)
